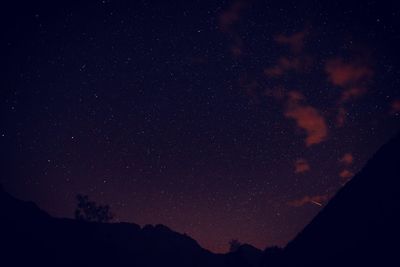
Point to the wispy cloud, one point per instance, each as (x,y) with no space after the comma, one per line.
(347,74)
(298,61)
(395,107)
(341,116)
(250,87)
(318,200)
(307,118)
(352,93)
(227,21)
(294,41)
(301,166)
(231,15)
(286,64)
(345,176)
(352,77)
(347,159)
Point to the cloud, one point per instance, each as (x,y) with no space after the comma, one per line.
(226,22)
(347,159)
(297,62)
(395,107)
(346,176)
(283,65)
(341,116)
(236,50)
(307,118)
(250,87)
(231,15)
(277,93)
(316,200)
(301,166)
(294,41)
(347,95)
(352,77)
(352,93)
(236,46)
(347,74)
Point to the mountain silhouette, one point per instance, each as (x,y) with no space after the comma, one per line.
(360,226)
(29,236)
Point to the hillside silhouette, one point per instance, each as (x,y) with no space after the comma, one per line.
(30,237)
(358,227)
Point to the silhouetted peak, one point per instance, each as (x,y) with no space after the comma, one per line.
(362,215)
(160,228)
(13,207)
(249,248)
(170,237)
(44,241)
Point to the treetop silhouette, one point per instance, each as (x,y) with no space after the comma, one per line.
(90,211)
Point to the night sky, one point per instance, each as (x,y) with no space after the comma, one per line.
(220,119)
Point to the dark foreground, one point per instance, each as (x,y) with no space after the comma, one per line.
(358,227)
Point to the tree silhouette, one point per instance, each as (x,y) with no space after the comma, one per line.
(234,245)
(90,211)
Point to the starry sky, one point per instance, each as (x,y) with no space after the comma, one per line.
(220,119)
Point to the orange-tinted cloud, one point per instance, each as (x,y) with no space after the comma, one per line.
(352,77)
(341,116)
(250,87)
(301,166)
(236,46)
(307,118)
(316,200)
(278,93)
(297,62)
(227,20)
(285,64)
(351,93)
(231,15)
(347,74)
(347,95)
(294,41)
(236,50)
(347,159)
(395,107)
(346,175)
